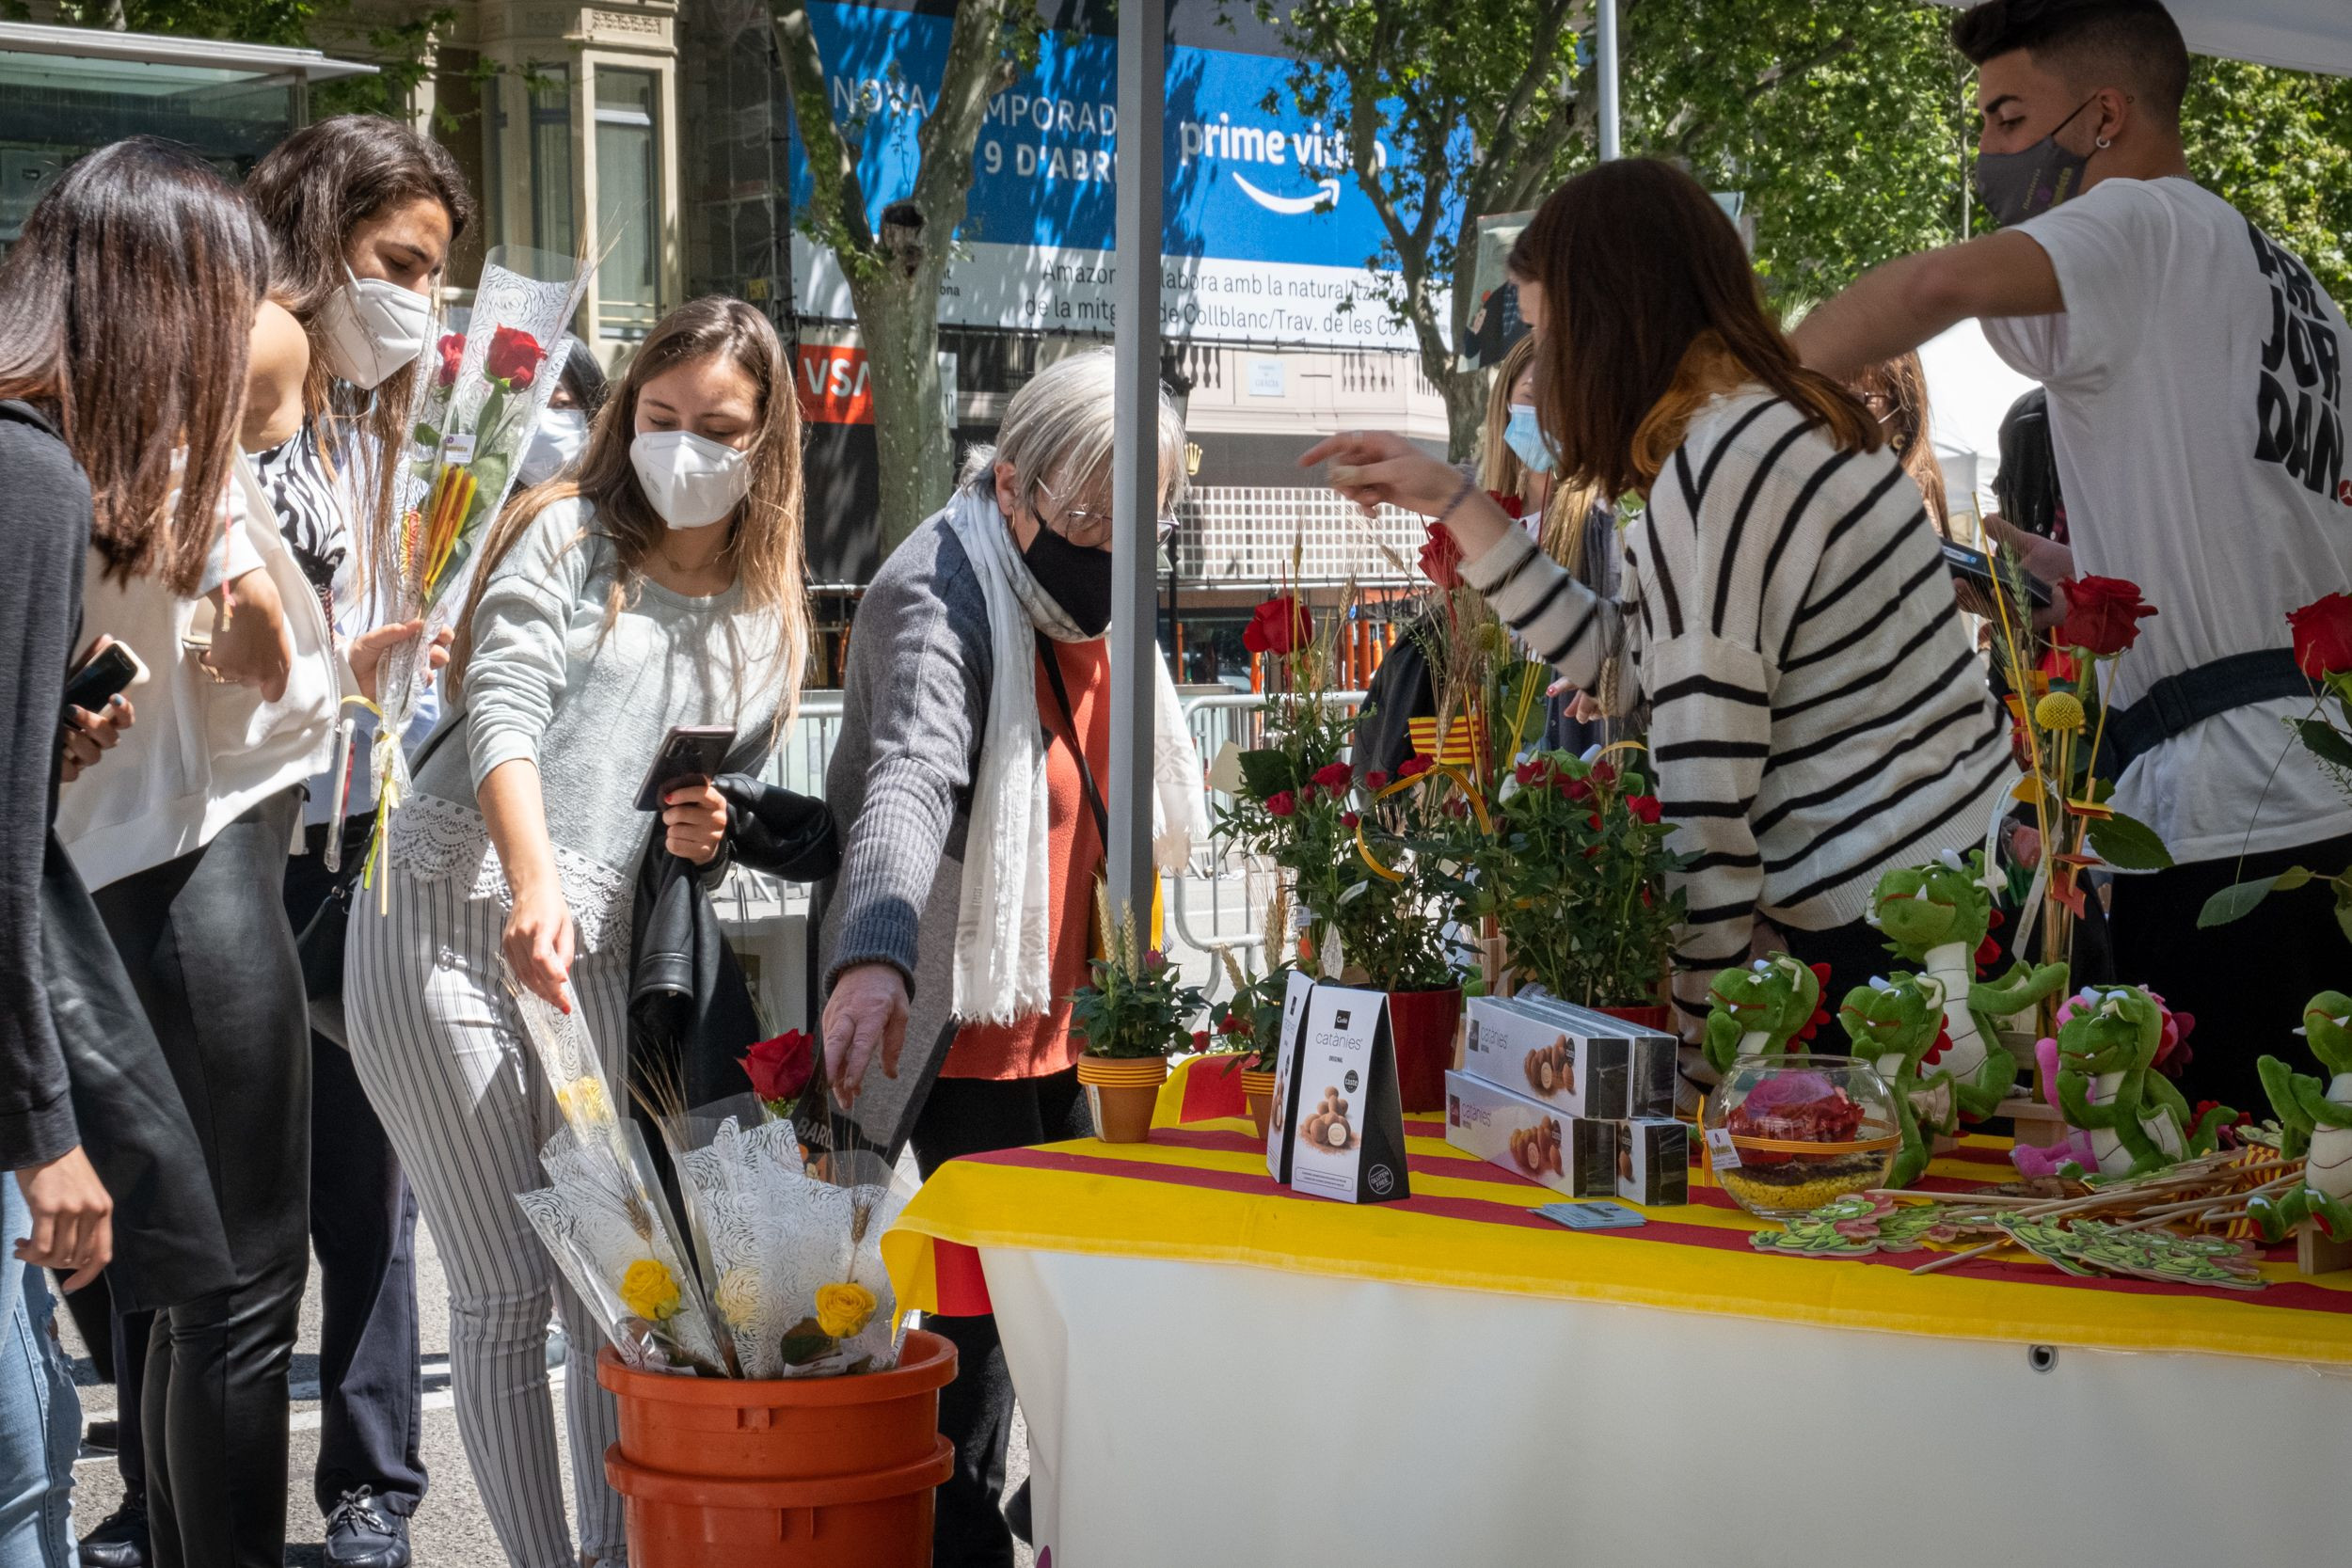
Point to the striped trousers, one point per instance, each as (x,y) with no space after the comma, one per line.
(442,1053)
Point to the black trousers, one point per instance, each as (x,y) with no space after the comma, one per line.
(2246,982)
(206,943)
(977,1115)
(363,1229)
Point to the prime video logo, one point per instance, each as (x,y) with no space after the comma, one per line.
(1271,146)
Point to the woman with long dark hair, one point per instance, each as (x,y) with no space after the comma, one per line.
(1817,713)
(363,212)
(138,292)
(662,586)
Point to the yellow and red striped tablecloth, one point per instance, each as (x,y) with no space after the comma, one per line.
(1199,1192)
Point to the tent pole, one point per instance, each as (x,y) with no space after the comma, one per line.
(1606,45)
(1134,470)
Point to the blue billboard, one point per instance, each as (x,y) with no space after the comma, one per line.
(1256,185)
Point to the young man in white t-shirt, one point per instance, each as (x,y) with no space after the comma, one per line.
(2196,378)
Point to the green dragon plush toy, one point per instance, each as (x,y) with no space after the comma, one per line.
(1939,916)
(2316,1119)
(2107,1085)
(1757,1010)
(1898,1023)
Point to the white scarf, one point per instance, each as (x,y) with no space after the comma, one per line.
(1003,955)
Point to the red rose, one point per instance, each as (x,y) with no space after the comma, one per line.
(514,358)
(1644,806)
(1376,779)
(1413,768)
(2102,614)
(2323,636)
(453,351)
(1604,774)
(1349,820)
(1335,776)
(1306,794)
(1200,1039)
(1576,789)
(1235,1026)
(1281,803)
(1594,821)
(779,1068)
(1440,557)
(1280,625)
(1154,958)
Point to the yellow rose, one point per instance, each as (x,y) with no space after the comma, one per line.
(738,1296)
(842,1310)
(583,1100)
(649,1290)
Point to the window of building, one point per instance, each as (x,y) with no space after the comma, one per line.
(628,282)
(548,90)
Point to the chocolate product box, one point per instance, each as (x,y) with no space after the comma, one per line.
(1574,1155)
(1650,1058)
(1529,1050)
(1653,1161)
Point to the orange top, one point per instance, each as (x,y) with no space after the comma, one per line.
(1036,1047)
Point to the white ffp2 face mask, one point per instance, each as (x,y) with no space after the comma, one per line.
(692,482)
(373,328)
(562,435)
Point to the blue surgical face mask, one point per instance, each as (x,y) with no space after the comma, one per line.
(1527,441)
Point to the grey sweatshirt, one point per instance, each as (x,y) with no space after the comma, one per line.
(915,703)
(550,681)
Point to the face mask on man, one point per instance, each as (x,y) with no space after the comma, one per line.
(1079,578)
(373,328)
(1526,439)
(555,445)
(692,482)
(2015,186)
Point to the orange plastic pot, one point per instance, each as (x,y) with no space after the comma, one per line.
(836,1471)
(1423,1024)
(1123,1091)
(1256,1091)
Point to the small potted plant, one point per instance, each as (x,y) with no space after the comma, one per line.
(1133,1017)
(1574,876)
(1252,1026)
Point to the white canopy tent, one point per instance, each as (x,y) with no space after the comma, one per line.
(2299,35)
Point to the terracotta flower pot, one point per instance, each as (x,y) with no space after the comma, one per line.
(1422,1023)
(1257,1090)
(839,1471)
(1123,1091)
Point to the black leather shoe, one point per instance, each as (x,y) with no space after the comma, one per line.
(361,1534)
(119,1541)
(103,1435)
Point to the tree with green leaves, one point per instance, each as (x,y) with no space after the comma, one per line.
(1848,130)
(895,266)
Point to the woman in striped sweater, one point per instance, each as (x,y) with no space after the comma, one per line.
(1818,714)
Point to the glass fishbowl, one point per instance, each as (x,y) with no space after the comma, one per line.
(1804,1131)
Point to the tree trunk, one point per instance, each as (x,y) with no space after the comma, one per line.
(1465,393)
(914,446)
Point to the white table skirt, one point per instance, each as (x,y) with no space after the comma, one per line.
(1197,1415)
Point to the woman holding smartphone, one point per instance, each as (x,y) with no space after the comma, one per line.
(662,587)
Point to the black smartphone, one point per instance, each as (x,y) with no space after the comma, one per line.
(1974,566)
(690,752)
(106,673)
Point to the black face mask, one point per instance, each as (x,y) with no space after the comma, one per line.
(1079,578)
(2015,186)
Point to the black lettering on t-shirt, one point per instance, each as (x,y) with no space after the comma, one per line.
(2298,398)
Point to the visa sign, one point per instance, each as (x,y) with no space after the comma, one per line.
(834,386)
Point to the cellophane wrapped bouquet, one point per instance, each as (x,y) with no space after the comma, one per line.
(476,407)
(784,1275)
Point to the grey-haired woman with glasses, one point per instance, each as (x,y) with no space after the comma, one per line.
(970,781)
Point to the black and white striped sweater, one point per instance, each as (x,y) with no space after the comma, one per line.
(1819,713)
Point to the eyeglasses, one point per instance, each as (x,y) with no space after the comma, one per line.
(1086,524)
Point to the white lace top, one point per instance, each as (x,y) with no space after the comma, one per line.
(549,680)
